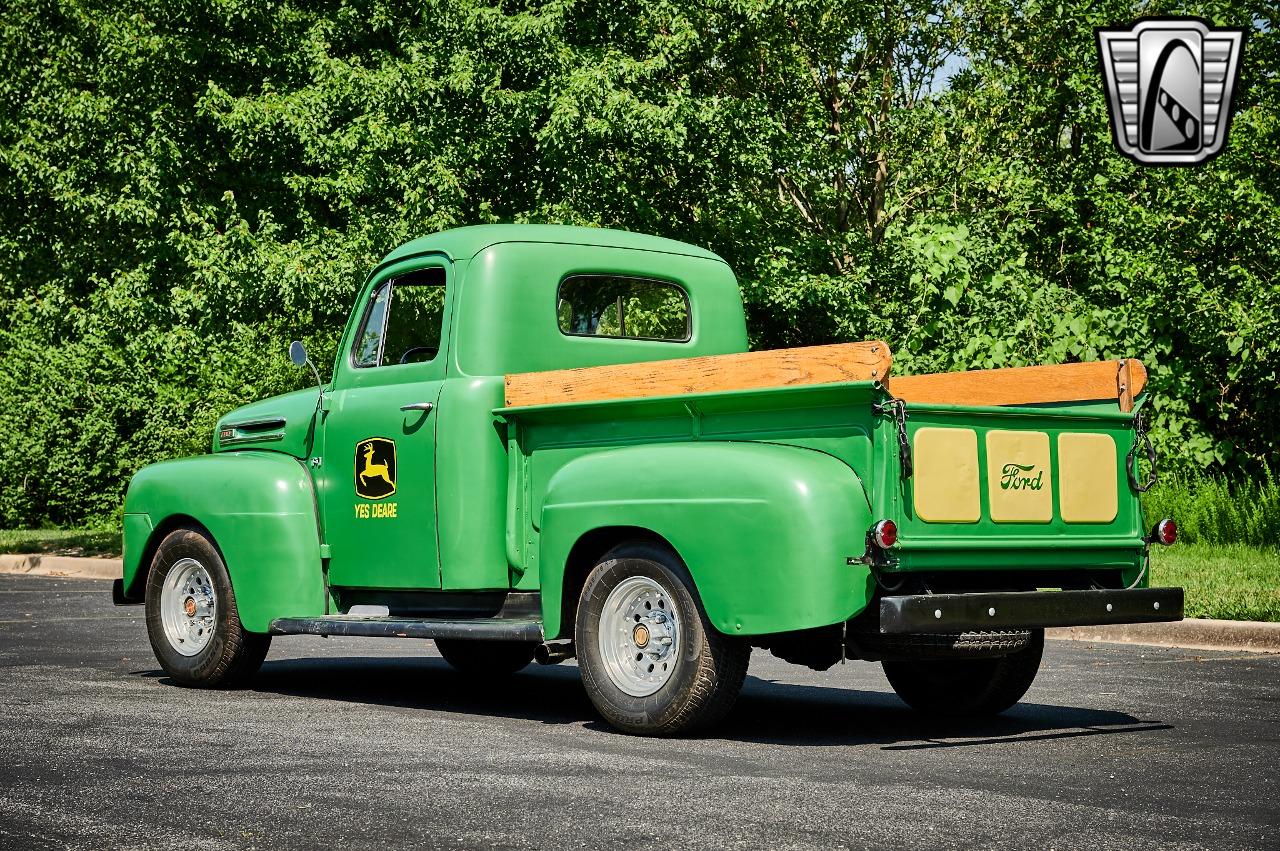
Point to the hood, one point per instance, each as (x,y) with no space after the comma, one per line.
(283,423)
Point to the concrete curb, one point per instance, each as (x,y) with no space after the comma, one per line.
(44,565)
(1190,634)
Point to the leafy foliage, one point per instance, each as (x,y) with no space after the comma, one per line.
(188,185)
(1212,510)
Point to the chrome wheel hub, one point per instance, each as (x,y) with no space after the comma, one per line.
(188,606)
(639,636)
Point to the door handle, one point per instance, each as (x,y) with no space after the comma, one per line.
(418,406)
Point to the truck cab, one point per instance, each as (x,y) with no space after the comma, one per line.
(552,442)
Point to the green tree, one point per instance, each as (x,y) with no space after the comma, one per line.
(189,185)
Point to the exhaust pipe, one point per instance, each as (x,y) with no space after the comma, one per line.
(553,653)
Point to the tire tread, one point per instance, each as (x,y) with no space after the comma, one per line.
(967,687)
(240,652)
(720,665)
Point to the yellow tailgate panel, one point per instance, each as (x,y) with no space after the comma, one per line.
(1019,479)
(1087,489)
(946,475)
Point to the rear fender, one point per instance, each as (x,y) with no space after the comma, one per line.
(764,529)
(260,509)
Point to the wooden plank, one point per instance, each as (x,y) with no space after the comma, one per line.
(1125,379)
(864,361)
(1027,385)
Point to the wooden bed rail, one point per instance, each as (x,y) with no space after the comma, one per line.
(1027,385)
(867,361)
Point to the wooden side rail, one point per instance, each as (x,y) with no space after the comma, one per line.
(1027,385)
(867,361)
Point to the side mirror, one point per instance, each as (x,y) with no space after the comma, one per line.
(298,354)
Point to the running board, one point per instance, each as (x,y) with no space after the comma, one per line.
(478,629)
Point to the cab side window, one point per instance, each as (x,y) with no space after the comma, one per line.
(617,306)
(403,321)
(369,339)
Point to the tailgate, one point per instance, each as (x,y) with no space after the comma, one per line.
(1003,488)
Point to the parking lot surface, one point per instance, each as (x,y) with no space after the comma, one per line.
(378,743)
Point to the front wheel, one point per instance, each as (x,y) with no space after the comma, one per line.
(651,662)
(967,687)
(192,619)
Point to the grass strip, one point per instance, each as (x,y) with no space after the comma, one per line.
(1227,581)
(63,542)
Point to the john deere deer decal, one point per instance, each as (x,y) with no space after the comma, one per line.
(375,468)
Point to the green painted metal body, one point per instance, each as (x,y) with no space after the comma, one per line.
(986,545)
(755,490)
(260,509)
(765,494)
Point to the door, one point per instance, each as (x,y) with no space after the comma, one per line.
(377,475)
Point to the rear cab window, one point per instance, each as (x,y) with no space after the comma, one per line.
(617,306)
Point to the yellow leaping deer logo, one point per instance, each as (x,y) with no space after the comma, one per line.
(375,468)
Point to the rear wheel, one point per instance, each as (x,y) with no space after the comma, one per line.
(486,658)
(967,687)
(192,619)
(651,662)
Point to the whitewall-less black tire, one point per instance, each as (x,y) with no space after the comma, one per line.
(967,687)
(651,662)
(486,658)
(192,619)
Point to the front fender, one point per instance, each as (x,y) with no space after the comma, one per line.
(765,529)
(259,507)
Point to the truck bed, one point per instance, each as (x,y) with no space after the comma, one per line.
(1059,504)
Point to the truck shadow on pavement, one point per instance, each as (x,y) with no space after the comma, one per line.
(768,712)
(775,713)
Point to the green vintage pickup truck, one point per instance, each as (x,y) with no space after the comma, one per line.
(544,442)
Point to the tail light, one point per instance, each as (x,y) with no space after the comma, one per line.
(1165,532)
(884,534)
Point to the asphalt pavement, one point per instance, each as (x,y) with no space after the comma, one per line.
(377,743)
